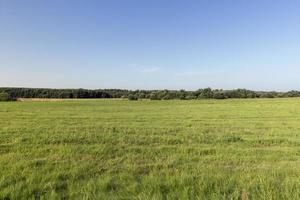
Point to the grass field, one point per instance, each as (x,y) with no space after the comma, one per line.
(119,149)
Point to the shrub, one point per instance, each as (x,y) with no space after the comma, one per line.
(154,96)
(190,97)
(219,95)
(5,96)
(142,96)
(132,97)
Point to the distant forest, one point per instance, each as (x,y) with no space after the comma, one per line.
(206,93)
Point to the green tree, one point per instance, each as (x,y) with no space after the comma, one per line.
(142,95)
(206,93)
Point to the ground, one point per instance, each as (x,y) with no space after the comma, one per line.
(119,149)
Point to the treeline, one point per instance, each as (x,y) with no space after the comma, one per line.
(206,93)
(54,93)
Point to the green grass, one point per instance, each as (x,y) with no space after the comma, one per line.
(118,149)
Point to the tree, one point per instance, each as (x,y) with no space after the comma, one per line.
(142,95)
(206,93)
(182,94)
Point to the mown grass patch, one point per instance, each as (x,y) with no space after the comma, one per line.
(109,149)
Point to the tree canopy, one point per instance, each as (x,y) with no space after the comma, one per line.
(205,93)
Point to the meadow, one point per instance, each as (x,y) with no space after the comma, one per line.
(120,149)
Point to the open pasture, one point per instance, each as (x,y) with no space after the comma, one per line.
(119,149)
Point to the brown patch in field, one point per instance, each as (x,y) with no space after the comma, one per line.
(245,195)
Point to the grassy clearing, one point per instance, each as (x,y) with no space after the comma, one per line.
(117,149)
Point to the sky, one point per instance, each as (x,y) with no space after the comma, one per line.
(150,44)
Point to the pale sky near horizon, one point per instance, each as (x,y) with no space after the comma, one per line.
(150,44)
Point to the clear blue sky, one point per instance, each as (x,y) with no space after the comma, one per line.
(150,44)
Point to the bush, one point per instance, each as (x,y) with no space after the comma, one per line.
(190,97)
(142,96)
(5,96)
(154,96)
(132,97)
(219,95)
